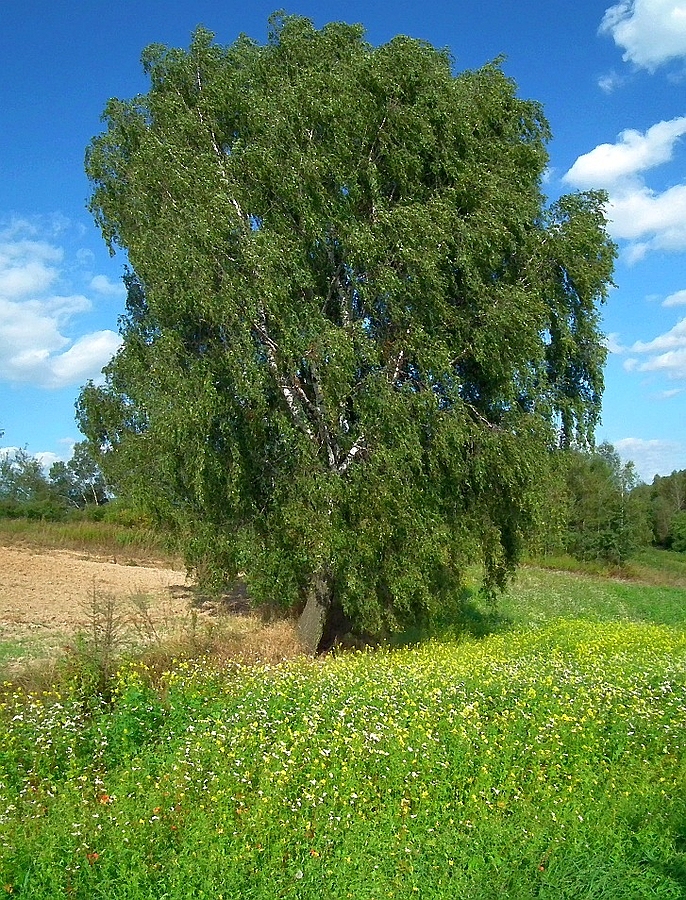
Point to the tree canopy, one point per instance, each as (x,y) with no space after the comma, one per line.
(607,519)
(665,500)
(355,329)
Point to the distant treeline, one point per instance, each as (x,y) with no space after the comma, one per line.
(598,509)
(28,491)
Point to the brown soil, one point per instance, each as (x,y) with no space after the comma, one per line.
(48,595)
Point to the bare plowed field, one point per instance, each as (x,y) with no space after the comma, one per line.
(47,596)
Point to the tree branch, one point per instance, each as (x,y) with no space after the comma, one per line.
(289,391)
(358,447)
(320,409)
(399,363)
(481,417)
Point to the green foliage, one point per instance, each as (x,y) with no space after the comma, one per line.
(25,491)
(676,537)
(22,478)
(607,520)
(666,501)
(80,480)
(354,330)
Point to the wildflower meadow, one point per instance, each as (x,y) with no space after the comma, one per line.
(540,762)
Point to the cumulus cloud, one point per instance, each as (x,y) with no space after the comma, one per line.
(646,219)
(613,343)
(672,363)
(676,299)
(664,354)
(674,339)
(651,457)
(649,220)
(651,32)
(25,267)
(36,318)
(632,154)
(85,357)
(103,285)
(47,458)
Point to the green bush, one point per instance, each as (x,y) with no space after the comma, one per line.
(49,510)
(121,512)
(676,539)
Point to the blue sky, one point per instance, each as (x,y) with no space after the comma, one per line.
(611,77)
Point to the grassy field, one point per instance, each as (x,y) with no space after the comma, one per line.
(105,538)
(538,752)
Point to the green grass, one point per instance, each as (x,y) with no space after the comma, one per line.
(649,592)
(649,566)
(545,763)
(545,758)
(21,648)
(11,650)
(662,565)
(537,596)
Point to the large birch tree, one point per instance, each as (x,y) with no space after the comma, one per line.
(356,330)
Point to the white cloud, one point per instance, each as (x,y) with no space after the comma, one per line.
(665,354)
(633,153)
(103,285)
(676,299)
(613,343)
(24,267)
(610,82)
(671,340)
(646,219)
(46,458)
(84,358)
(652,457)
(651,32)
(36,319)
(672,363)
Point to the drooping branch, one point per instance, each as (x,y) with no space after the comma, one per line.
(481,418)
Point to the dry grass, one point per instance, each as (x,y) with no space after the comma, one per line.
(155,636)
(220,640)
(138,626)
(119,542)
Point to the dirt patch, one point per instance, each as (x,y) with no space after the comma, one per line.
(46,596)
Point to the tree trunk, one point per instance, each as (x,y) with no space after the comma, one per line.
(323,624)
(313,618)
